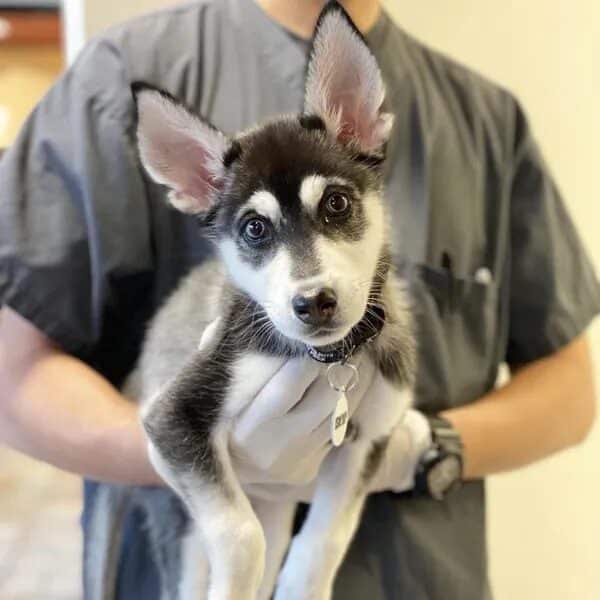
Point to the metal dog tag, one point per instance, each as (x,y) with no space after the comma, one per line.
(339,421)
(341,377)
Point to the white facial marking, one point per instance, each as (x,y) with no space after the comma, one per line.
(267,284)
(265,204)
(312,188)
(311,192)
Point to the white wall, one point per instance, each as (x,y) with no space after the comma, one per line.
(84,18)
(544,521)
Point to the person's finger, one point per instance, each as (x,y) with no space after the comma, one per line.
(317,403)
(322,391)
(282,391)
(320,398)
(312,415)
(251,378)
(295,403)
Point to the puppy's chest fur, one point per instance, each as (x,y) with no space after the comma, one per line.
(217,382)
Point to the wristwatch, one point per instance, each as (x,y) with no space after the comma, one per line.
(440,468)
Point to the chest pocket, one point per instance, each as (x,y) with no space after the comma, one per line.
(456,326)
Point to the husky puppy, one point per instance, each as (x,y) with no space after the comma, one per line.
(295,209)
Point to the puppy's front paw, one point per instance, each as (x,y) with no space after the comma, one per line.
(304,576)
(298,590)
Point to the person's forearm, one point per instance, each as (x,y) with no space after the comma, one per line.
(60,411)
(547,406)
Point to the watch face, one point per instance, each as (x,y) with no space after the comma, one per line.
(443,475)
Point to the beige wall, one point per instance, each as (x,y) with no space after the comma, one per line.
(545,520)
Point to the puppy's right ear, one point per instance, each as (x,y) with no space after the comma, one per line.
(179,150)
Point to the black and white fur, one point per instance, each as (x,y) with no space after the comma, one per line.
(290,174)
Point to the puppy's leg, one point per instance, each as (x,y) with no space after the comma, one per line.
(342,485)
(194,574)
(276,519)
(231,534)
(317,551)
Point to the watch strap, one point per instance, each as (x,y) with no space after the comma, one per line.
(445,435)
(446,446)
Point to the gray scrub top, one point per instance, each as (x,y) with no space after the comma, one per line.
(89,248)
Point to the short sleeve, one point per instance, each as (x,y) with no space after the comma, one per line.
(73,210)
(554,292)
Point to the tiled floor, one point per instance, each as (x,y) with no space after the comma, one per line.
(40,547)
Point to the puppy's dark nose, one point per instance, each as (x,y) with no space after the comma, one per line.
(315,308)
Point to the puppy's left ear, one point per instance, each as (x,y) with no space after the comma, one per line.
(344,85)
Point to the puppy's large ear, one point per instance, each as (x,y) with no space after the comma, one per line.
(179,150)
(344,85)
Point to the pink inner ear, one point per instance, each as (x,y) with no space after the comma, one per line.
(180,151)
(345,87)
(182,163)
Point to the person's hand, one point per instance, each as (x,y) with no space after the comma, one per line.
(283,434)
(409,440)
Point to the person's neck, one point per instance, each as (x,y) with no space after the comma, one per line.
(300,16)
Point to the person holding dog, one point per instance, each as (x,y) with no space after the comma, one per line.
(89,251)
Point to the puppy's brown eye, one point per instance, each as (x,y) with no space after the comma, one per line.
(337,204)
(255,230)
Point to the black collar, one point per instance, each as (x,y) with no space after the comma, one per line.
(365,331)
